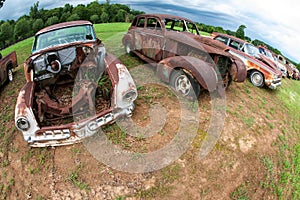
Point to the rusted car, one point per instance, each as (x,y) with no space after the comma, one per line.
(73,86)
(295,71)
(270,59)
(183,58)
(260,74)
(7,64)
(284,62)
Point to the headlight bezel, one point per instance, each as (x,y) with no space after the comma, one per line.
(129,96)
(22,123)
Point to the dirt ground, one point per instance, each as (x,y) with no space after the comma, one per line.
(234,167)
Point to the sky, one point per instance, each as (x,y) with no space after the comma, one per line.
(275,22)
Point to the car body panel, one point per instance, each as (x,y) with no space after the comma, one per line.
(159,38)
(72,90)
(7,62)
(272,76)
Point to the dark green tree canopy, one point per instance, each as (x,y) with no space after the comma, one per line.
(240,33)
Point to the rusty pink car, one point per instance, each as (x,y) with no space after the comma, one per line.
(183,58)
(73,86)
(260,74)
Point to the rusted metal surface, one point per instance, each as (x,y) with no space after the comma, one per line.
(271,75)
(168,36)
(6,63)
(72,90)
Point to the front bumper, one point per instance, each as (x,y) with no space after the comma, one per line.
(274,84)
(74,132)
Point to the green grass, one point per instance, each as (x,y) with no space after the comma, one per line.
(22,48)
(282,174)
(204,33)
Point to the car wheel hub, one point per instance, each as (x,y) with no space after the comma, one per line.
(257,79)
(10,75)
(183,85)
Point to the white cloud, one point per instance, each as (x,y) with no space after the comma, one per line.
(275,22)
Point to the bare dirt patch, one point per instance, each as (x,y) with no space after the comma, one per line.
(234,168)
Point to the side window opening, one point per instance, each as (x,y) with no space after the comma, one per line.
(234,44)
(141,22)
(153,23)
(222,39)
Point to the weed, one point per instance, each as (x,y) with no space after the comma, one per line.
(74,178)
(171,173)
(248,120)
(240,193)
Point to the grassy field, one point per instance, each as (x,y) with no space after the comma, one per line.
(253,114)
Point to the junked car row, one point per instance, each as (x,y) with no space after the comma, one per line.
(74,86)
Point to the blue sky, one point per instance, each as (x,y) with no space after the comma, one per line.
(275,22)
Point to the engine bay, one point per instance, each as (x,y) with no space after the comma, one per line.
(71,83)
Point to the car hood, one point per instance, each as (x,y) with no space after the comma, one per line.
(206,44)
(270,63)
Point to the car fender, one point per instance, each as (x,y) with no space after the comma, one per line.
(238,70)
(200,70)
(127,37)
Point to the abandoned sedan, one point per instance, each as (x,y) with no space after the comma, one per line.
(183,58)
(260,74)
(73,87)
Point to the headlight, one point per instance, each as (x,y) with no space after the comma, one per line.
(130,96)
(23,124)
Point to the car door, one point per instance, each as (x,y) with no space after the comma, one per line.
(139,34)
(153,39)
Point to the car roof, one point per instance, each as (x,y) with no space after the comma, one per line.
(63,25)
(229,36)
(164,16)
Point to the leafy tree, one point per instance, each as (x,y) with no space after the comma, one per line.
(37,25)
(120,16)
(248,39)
(104,17)
(73,17)
(81,11)
(94,8)
(6,33)
(52,20)
(95,18)
(22,29)
(34,11)
(240,33)
(229,32)
(65,16)
(68,8)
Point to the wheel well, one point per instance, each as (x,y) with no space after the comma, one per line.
(9,66)
(186,72)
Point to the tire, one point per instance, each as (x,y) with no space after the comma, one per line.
(128,48)
(10,75)
(185,85)
(257,79)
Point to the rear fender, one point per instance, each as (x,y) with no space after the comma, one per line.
(200,70)
(238,70)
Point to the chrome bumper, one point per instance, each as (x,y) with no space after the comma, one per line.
(274,84)
(77,131)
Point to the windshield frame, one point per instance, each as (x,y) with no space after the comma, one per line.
(63,36)
(251,50)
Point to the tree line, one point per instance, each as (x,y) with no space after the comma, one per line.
(12,31)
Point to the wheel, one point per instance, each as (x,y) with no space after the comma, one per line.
(127,47)
(257,79)
(10,75)
(227,80)
(185,85)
